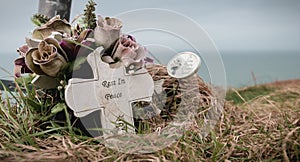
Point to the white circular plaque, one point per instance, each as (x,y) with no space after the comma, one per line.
(183,65)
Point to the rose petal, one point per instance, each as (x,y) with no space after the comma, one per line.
(22,50)
(20,61)
(107,31)
(32,42)
(52,67)
(53,25)
(56,44)
(125,47)
(30,64)
(60,26)
(112,23)
(56,35)
(141,53)
(84,34)
(106,37)
(42,33)
(17,71)
(69,49)
(100,21)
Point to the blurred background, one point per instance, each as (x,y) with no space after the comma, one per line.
(259,41)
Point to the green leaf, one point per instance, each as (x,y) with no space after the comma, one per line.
(32,103)
(58,108)
(89,15)
(26,79)
(39,19)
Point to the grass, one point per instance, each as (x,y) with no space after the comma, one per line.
(247,94)
(259,123)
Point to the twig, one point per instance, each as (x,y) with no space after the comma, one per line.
(239,95)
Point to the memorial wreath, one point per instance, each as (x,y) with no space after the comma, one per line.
(59,51)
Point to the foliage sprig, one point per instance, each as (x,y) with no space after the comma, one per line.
(39,19)
(89,15)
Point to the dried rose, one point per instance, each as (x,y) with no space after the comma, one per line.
(107,31)
(47,59)
(128,50)
(53,25)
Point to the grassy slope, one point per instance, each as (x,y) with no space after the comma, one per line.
(259,123)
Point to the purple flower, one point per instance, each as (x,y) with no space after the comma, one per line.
(19,63)
(20,67)
(72,49)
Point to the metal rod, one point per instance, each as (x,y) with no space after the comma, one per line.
(51,8)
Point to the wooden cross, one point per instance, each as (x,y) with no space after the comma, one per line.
(112,91)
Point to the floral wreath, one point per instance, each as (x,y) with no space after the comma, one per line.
(57,50)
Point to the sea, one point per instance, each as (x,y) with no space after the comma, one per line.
(250,68)
(242,68)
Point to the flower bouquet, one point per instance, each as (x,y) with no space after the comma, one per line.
(57,51)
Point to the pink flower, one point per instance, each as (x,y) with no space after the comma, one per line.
(127,51)
(20,66)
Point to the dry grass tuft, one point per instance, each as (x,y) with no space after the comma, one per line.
(263,128)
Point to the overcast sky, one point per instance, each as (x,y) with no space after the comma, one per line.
(232,24)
